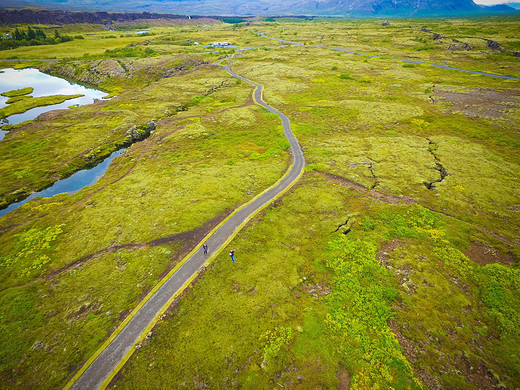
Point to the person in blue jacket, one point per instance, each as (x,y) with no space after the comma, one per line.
(232,254)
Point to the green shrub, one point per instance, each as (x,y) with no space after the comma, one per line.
(345,76)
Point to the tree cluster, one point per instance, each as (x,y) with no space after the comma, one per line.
(33,37)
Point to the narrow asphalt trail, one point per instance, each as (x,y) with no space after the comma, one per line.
(107,361)
(396,59)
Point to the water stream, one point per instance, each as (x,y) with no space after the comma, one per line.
(70,185)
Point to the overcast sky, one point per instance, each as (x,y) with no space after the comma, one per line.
(490,2)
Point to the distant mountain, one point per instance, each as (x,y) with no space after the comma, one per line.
(355,8)
(500,8)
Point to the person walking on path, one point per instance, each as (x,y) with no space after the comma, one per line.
(205,247)
(232,254)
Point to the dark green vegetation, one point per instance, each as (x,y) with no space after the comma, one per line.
(371,273)
(33,37)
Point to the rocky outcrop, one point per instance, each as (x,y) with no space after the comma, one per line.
(26,16)
(139,132)
(135,134)
(494,45)
(462,46)
(88,72)
(96,72)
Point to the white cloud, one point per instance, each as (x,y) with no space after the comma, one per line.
(490,2)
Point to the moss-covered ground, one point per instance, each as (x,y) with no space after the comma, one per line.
(393,263)
(20,104)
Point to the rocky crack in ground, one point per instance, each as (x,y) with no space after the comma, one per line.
(432,146)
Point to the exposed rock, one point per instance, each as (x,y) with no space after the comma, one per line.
(96,72)
(385,24)
(462,46)
(494,45)
(140,132)
(437,36)
(425,30)
(516,54)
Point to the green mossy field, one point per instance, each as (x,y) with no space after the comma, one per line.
(392,263)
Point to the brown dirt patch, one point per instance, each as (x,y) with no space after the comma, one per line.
(480,102)
(477,373)
(387,198)
(386,249)
(188,239)
(485,254)
(409,350)
(51,115)
(344,379)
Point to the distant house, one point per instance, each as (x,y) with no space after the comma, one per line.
(220,44)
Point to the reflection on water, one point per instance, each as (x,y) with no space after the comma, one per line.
(43,85)
(72,184)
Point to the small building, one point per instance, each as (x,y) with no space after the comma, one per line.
(220,44)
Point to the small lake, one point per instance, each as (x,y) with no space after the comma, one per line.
(44,85)
(70,185)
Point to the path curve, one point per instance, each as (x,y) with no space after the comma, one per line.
(110,360)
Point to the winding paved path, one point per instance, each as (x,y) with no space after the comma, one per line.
(104,365)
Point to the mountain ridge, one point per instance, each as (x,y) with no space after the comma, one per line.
(339,8)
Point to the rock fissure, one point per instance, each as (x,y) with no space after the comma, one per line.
(345,228)
(370,166)
(432,147)
(341,225)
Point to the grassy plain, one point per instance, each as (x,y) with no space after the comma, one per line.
(360,277)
